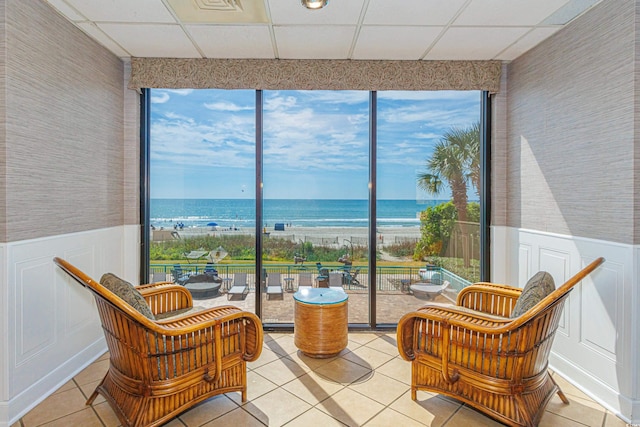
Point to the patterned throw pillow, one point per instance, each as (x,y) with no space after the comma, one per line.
(127,292)
(538,287)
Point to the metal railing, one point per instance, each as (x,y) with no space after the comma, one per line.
(388,278)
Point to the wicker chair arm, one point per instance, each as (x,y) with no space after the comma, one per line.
(213,318)
(447,315)
(165,297)
(491,298)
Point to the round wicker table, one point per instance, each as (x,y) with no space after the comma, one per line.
(320,321)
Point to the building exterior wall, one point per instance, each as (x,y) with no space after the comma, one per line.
(69,187)
(570,193)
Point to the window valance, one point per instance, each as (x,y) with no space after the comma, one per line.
(281,74)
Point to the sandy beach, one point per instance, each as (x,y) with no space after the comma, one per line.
(329,235)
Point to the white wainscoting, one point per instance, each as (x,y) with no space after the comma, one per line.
(4,331)
(596,345)
(51,324)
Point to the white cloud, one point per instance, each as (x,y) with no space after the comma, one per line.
(228,106)
(436,95)
(181,92)
(159,97)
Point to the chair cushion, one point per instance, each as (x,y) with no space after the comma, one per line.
(538,287)
(128,293)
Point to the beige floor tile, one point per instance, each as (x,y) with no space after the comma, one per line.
(469,417)
(66,386)
(208,410)
(429,409)
(84,418)
(105,356)
(237,418)
(174,423)
(283,345)
(585,411)
(106,414)
(257,385)
(94,372)
(281,371)
(350,408)
(569,389)
(389,417)
(88,389)
(362,338)
(552,420)
(277,407)
(381,388)
(343,371)
(55,406)
(385,344)
(308,363)
(368,357)
(312,388)
(267,356)
(612,421)
(314,417)
(398,369)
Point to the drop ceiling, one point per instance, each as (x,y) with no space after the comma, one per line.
(345,29)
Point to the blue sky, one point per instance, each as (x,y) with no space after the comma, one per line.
(316,143)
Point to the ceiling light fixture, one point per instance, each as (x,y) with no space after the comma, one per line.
(314,4)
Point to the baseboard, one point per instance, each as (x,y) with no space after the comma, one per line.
(17,407)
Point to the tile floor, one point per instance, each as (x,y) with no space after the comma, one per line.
(366,385)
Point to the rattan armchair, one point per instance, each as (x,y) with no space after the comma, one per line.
(160,368)
(474,352)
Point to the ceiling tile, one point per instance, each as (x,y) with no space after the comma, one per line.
(123,10)
(527,42)
(377,42)
(152,40)
(411,12)
(337,12)
(103,39)
(474,43)
(225,12)
(316,42)
(508,12)
(569,11)
(233,41)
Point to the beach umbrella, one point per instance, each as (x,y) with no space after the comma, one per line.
(216,255)
(212,224)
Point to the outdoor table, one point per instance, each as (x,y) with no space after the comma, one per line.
(320,321)
(288,283)
(427,290)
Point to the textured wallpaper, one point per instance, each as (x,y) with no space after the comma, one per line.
(314,74)
(64,127)
(571,129)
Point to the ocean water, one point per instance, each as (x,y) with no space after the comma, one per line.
(296,212)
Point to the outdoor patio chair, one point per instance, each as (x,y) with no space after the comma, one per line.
(274,285)
(351,277)
(158,276)
(335,279)
(160,368)
(305,279)
(491,349)
(240,286)
(179,275)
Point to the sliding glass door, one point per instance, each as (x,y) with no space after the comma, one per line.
(202,193)
(316,174)
(376,193)
(428,169)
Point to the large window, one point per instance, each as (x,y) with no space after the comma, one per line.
(392,229)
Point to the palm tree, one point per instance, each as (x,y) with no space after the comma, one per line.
(456,161)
